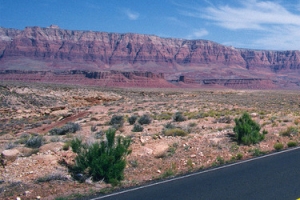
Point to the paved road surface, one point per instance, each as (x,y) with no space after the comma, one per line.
(271,177)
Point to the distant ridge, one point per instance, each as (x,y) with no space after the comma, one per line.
(55,49)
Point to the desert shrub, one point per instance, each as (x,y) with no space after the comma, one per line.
(105,160)
(23,138)
(220,160)
(11,145)
(175,132)
(132,119)
(225,119)
(51,177)
(76,145)
(292,144)
(145,119)
(66,146)
(257,152)
(55,139)
(163,116)
(192,124)
(247,131)
(133,163)
(190,164)
(239,156)
(194,115)
(278,146)
(99,134)
(169,126)
(68,128)
(93,128)
(169,172)
(178,117)
(137,128)
(34,142)
(171,151)
(117,121)
(290,131)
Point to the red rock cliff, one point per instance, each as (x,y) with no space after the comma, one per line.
(56,49)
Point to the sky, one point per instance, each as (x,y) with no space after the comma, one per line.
(254,24)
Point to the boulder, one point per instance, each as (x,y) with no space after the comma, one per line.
(160,150)
(9,155)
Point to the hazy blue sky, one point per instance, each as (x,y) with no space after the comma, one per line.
(256,24)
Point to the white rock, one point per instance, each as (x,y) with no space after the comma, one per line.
(253,114)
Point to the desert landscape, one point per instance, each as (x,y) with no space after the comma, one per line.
(101,97)
(189,130)
(175,100)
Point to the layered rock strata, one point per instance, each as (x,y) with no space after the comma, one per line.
(55,49)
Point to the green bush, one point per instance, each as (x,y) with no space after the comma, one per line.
(137,128)
(194,115)
(220,160)
(278,146)
(175,132)
(247,131)
(290,131)
(178,117)
(257,152)
(105,160)
(239,156)
(117,121)
(34,141)
(76,145)
(68,128)
(132,119)
(145,119)
(292,144)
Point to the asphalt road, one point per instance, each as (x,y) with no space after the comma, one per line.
(268,177)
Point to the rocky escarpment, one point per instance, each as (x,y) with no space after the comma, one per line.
(107,78)
(54,49)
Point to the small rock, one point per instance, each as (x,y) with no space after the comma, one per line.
(38,197)
(143,141)
(89,180)
(253,114)
(193,156)
(158,171)
(18,198)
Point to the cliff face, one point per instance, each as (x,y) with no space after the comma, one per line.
(107,78)
(36,48)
